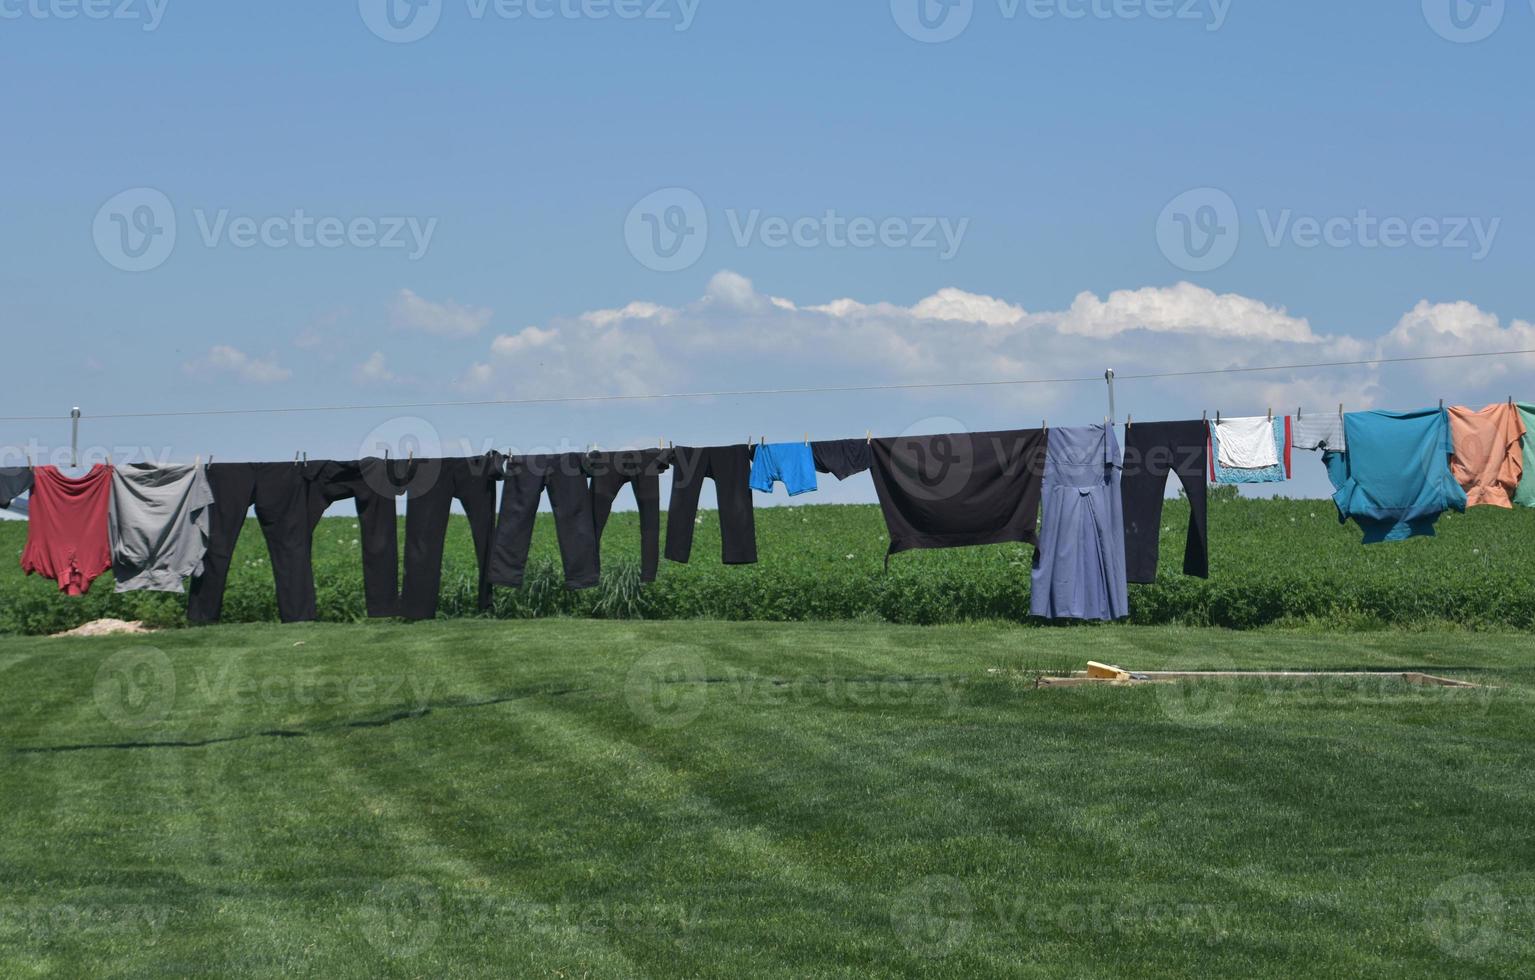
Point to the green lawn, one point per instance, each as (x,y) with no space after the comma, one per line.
(570,798)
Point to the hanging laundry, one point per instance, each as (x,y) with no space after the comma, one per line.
(1153,452)
(789,463)
(955,491)
(1318,432)
(1278,473)
(841,458)
(375,486)
(280,494)
(730,469)
(67,538)
(159,524)
(1488,456)
(1079,566)
(640,469)
(15,481)
(1525,497)
(428,504)
(1395,480)
(1246,443)
(525,480)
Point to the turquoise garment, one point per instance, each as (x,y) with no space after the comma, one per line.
(1269,474)
(791,463)
(1525,496)
(1395,479)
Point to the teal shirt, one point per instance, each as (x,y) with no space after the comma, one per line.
(1525,496)
(1395,479)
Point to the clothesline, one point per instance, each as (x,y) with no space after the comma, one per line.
(757,392)
(1092,509)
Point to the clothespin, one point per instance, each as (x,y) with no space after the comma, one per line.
(295,459)
(807,438)
(1441,404)
(1271,413)
(197,461)
(868,436)
(1044,424)
(210,459)
(1297,414)
(386,454)
(1340,410)
(410,455)
(1129,421)
(1207,415)
(1217,416)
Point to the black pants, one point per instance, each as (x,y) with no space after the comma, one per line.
(641,469)
(434,487)
(526,479)
(374,484)
(1153,450)
(280,493)
(730,468)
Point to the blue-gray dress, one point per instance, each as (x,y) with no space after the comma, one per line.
(1079,568)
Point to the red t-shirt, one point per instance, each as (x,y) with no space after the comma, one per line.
(67,538)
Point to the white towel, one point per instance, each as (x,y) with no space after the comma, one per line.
(1246,444)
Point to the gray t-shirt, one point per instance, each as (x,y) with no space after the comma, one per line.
(159,525)
(1318,432)
(15,481)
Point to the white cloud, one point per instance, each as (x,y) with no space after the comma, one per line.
(733,290)
(637,310)
(446,319)
(530,338)
(956,304)
(1184,308)
(1436,329)
(223,359)
(374,370)
(735,337)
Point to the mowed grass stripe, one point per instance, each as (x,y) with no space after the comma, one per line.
(785,828)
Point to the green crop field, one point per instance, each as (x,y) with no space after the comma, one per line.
(567,798)
(1273,562)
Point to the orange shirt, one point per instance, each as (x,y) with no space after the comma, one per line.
(1488,460)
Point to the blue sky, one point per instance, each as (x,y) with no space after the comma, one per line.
(1020,193)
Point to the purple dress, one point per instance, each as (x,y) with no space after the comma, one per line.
(1079,567)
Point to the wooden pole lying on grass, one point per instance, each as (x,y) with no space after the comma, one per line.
(1097,673)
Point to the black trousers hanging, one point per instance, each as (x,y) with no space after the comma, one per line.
(730,469)
(429,503)
(641,469)
(280,494)
(526,478)
(1153,451)
(374,484)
